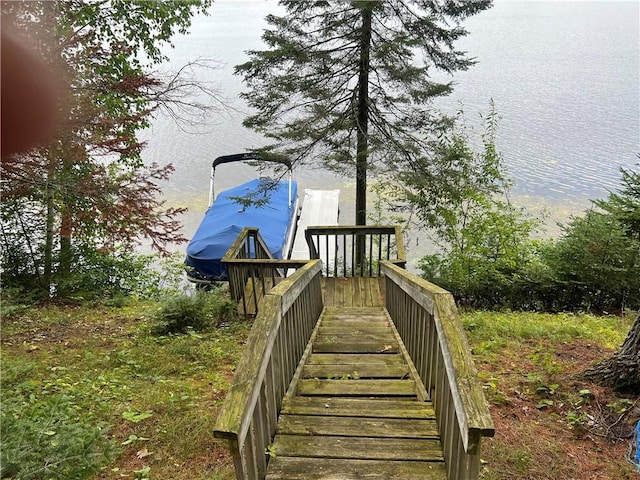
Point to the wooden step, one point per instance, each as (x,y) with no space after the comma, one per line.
(356,371)
(364,448)
(357,426)
(293,468)
(359,388)
(357,407)
(354,359)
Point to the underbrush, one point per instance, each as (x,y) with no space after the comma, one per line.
(550,422)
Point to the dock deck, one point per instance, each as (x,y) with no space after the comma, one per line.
(319,207)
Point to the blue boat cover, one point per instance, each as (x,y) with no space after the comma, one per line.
(226,218)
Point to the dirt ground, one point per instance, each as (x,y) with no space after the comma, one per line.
(551,424)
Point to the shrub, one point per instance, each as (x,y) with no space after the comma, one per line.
(200,311)
(596,263)
(49,438)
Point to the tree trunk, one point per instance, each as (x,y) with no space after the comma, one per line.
(362,135)
(50,220)
(622,370)
(363,117)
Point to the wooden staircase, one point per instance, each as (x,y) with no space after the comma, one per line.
(356,370)
(356,408)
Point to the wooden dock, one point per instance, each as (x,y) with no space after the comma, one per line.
(319,207)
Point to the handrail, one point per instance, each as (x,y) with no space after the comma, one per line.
(281,330)
(429,324)
(252,270)
(356,250)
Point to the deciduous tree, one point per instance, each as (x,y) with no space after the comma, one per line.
(90,187)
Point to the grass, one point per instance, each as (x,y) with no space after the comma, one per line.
(551,424)
(154,399)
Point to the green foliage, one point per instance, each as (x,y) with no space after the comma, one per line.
(595,264)
(486,253)
(492,330)
(50,438)
(101,373)
(350,85)
(90,188)
(201,311)
(624,205)
(488,258)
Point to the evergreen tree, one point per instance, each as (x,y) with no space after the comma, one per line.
(349,84)
(622,369)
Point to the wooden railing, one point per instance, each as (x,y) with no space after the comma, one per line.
(427,319)
(280,333)
(252,270)
(355,251)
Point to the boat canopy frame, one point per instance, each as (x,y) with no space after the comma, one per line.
(246,157)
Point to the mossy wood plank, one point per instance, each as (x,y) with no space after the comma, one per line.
(294,468)
(365,291)
(379,336)
(358,448)
(338,311)
(357,426)
(356,387)
(349,293)
(348,326)
(338,291)
(234,416)
(356,371)
(354,328)
(356,407)
(337,345)
(462,372)
(354,359)
(471,407)
(291,288)
(328,291)
(421,391)
(377,293)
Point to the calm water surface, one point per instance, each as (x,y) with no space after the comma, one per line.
(564,77)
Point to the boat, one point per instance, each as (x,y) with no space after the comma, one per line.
(271,205)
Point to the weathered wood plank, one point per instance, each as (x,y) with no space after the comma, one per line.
(337,346)
(353,359)
(348,324)
(334,310)
(379,336)
(358,448)
(356,371)
(472,411)
(233,421)
(328,291)
(357,407)
(357,426)
(367,388)
(349,293)
(295,468)
(354,328)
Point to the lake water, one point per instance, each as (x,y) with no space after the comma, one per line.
(564,76)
